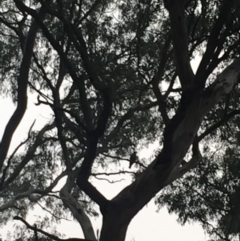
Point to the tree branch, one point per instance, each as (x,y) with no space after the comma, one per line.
(27,194)
(200,77)
(128,115)
(50,38)
(86,108)
(218,124)
(180,41)
(28,156)
(59,120)
(157,77)
(51,236)
(76,209)
(99,85)
(91,9)
(76,36)
(132,198)
(22,81)
(13,154)
(92,192)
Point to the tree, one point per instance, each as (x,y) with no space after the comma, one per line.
(117,76)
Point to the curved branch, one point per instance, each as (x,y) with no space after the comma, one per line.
(29,155)
(14,152)
(22,81)
(212,42)
(51,236)
(59,123)
(93,136)
(180,41)
(76,209)
(92,192)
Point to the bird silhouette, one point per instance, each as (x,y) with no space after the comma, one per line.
(133,159)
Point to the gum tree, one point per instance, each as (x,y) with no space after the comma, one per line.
(116,76)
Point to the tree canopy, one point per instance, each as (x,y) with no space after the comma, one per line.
(118,76)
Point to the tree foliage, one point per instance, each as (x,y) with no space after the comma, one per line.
(118,76)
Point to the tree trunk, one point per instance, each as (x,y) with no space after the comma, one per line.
(114,226)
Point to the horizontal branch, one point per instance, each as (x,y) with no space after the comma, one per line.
(112,173)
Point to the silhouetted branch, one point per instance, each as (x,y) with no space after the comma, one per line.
(29,155)
(53,237)
(22,82)
(218,124)
(27,194)
(180,41)
(212,42)
(14,152)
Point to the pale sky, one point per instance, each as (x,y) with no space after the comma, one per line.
(147,225)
